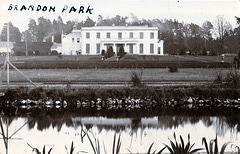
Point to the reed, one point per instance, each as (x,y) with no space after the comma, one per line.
(181,148)
(94,143)
(212,147)
(71,149)
(116,144)
(43,150)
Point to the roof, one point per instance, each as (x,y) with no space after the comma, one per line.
(75,33)
(120,28)
(4,45)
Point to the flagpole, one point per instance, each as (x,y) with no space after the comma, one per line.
(7,58)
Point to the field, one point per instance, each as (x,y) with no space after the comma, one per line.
(122,75)
(91,68)
(129,61)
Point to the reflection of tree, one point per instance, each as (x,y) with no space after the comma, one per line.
(59,118)
(136,122)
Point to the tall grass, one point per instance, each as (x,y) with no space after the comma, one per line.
(232,79)
(94,143)
(43,150)
(212,147)
(71,149)
(181,148)
(136,79)
(116,144)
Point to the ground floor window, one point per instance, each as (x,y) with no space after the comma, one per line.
(87,48)
(151,48)
(159,50)
(141,48)
(131,48)
(98,48)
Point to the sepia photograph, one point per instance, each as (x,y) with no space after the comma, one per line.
(120,77)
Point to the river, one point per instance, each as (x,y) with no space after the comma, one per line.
(137,134)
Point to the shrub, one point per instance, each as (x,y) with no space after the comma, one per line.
(173,68)
(233,79)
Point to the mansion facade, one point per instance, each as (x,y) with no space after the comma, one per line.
(142,40)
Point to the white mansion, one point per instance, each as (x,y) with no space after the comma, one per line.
(141,40)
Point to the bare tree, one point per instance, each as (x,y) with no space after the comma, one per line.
(221,26)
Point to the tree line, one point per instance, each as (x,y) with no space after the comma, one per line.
(215,38)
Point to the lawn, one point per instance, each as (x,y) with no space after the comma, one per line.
(123,75)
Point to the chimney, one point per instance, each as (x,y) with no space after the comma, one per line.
(53,39)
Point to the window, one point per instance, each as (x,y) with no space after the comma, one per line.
(151,35)
(98,35)
(87,35)
(98,48)
(141,35)
(72,40)
(119,35)
(159,50)
(131,48)
(87,48)
(108,35)
(78,40)
(131,35)
(151,48)
(141,48)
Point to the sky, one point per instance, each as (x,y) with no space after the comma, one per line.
(187,11)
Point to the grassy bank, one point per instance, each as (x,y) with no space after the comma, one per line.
(123,75)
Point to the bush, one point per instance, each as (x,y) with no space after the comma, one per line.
(233,79)
(173,68)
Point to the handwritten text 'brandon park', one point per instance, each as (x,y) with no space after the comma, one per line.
(65,8)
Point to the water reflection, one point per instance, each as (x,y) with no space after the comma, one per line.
(138,131)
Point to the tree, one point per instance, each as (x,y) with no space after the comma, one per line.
(221,26)
(121,52)
(14,33)
(110,52)
(206,34)
(26,36)
(44,29)
(89,22)
(32,29)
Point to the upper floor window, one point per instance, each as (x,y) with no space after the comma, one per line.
(78,40)
(119,35)
(151,35)
(73,40)
(98,35)
(131,35)
(108,35)
(87,35)
(141,35)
